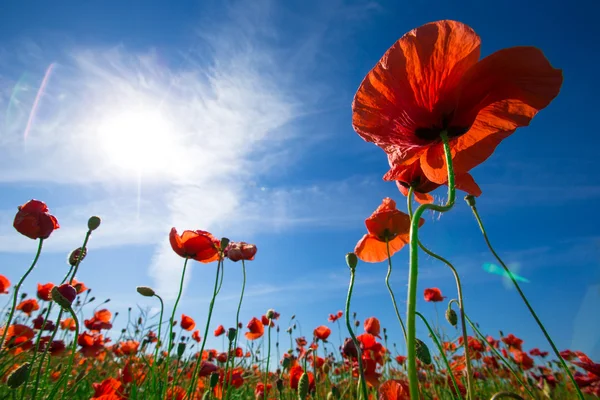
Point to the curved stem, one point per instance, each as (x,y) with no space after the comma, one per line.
(73,350)
(362,381)
(159,342)
(441,350)
(387,283)
(210,310)
(471,202)
(171,323)
(414,271)
(16,293)
(461,303)
(497,353)
(237,331)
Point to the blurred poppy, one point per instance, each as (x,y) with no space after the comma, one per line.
(129,347)
(295,374)
(322,332)
(521,358)
(4,284)
(432,81)
(28,306)
(538,353)
(40,324)
(100,320)
(513,342)
(372,326)
(394,389)
(187,323)
(34,221)
(219,331)
(198,245)
(196,336)
(256,329)
(18,338)
(335,317)
(237,251)
(385,224)
(44,291)
(107,387)
(68,323)
(79,286)
(433,295)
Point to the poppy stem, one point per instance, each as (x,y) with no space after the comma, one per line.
(268,361)
(441,350)
(497,353)
(414,271)
(387,283)
(36,347)
(362,382)
(16,293)
(471,201)
(171,322)
(80,257)
(159,341)
(73,350)
(460,300)
(210,310)
(237,333)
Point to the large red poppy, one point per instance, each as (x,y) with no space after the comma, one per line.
(187,323)
(4,284)
(432,81)
(34,221)
(199,245)
(256,329)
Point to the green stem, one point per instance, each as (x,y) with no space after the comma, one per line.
(210,310)
(268,361)
(362,381)
(158,342)
(237,331)
(80,257)
(36,349)
(471,201)
(497,353)
(171,322)
(441,350)
(389,287)
(414,271)
(461,303)
(16,293)
(73,350)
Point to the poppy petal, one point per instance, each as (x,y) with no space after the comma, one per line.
(412,82)
(423,198)
(466,183)
(372,250)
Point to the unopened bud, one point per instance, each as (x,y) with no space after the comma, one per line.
(214,379)
(145,291)
(61,300)
(451,317)
(351,260)
(224,243)
(279,384)
(77,256)
(303,386)
(422,351)
(18,376)
(285,363)
(270,313)
(180,349)
(94,223)
(470,199)
(231,333)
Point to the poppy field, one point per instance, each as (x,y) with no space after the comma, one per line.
(437,110)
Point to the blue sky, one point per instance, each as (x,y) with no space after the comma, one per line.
(242,126)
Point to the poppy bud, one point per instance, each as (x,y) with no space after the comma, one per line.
(279,384)
(231,333)
(422,351)
(357,323)
(224,243)
(349,348)
(470,199)
(285,363)
(180,349)
(270,313)
(214,379)
(94,223)
(451,317)
(351,260)
(77,256)
(18,376)
(206,395)
(303,386)
(64,295)
(145,291)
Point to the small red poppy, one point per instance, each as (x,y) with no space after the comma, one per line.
(28,306)
(34,221)
(187,323)
(256,329)
(433,295)
(44,291)
(220,330)
(322,332)
(237,251)
(372,326)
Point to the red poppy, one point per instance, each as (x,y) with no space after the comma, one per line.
(295,375)
(207,368)
(129,347)
(68,323)
(400,359)
(196,336)
(513,342)
(394,389)
(100,320)
(28,306)
(4,284)
(265,321)
(385,224)
(43,291)
(523,359)
(187,323)
(432,81)
(18,338)
(79,286)
(433,295)
(107,387)
(199,245)
(219,331)
(256,328)
(322,332)
(335,317)
(34,221)
(91,344)
(237,251)
(538,353)
(372,326)
(40,323)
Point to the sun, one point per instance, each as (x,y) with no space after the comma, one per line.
(138,142)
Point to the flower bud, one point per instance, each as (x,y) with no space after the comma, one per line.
(451,317)
(145,291)
(231,333)
(180,349)
(214,379)
(270,313)
(77,256)
(18,376)
(422,351)
(351,260)
(224,243)
(60,299)
(470,199)
(94,223)
(285,363)
(303,386)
